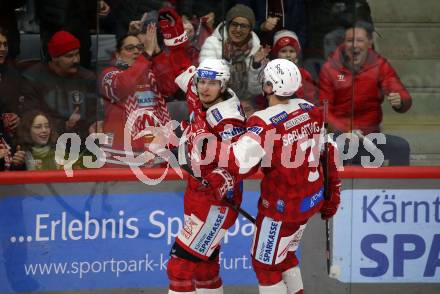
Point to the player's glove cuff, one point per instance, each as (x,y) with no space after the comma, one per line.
(171,26)
(173,42)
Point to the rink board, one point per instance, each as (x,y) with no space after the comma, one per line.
(393,236)
(114,236)
(60,237)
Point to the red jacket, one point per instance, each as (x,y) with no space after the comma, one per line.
(359,95)
(308,89)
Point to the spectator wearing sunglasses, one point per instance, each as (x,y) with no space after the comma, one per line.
(129,85)
(235,41)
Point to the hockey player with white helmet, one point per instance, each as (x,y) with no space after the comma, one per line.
(286,140)
(214,108)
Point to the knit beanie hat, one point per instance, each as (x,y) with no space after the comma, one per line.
(282,39)
(240,10)
(61,43)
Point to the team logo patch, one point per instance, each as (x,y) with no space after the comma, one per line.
(305,106)
(254,129)
(146,98)
(296,121)
(206,237)
(279,118)
(235,131)
(217,115)
(189,227)
(206,74)
(281,206)
(311,201)
(267,240)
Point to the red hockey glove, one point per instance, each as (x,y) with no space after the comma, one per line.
(220,183)
(195,128)
(171,25)
(196,132)
(329,208)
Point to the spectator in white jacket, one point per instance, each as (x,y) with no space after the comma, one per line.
(234,41)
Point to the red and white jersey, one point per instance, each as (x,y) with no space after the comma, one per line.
(125,91)
(287,140)
(206,219)
(226,120)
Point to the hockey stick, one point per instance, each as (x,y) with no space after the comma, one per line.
(179,152)
(326,194)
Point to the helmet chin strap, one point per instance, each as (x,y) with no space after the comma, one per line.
(266,95)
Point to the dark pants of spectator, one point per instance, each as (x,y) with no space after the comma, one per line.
(396,150)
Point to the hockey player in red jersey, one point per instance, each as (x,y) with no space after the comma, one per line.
(286,140)
(194,263)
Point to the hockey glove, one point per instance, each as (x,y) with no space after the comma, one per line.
(220,183)
(194,129)
(171,25)
(329,208)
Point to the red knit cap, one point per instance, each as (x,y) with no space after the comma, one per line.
(282,39)
(61,43)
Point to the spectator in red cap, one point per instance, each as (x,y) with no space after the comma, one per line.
(63,49)
(287,46)
(62,88)
(76,16)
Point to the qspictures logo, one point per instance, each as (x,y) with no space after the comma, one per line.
(199,149)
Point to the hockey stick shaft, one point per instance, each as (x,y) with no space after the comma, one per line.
(326,193)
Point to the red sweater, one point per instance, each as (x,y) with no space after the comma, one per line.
(359,95)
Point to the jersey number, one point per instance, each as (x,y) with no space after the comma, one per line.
(313,173)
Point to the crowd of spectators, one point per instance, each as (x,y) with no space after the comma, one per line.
(66,93)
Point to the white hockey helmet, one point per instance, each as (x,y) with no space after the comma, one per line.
(284,76)
(214,69)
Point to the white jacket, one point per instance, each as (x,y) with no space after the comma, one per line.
(212,48)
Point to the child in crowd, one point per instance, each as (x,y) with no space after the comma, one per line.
(286,46)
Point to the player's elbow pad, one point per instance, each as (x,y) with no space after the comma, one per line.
(184,78)
(248,153)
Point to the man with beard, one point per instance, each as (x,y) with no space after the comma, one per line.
(62,88)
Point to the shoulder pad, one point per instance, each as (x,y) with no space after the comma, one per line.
(279,113)
(227,109)
(183,80)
